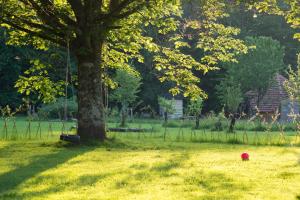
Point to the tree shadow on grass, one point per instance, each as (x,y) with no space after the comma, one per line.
(147,174)
(41,161)
(12,179)
(132,145)
(198,185)
(173,163)
(215,185)
(62,183)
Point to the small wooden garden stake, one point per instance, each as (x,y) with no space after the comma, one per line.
(281,134)
(256,138)
(28,130)
(165,133)
(39,130)
(14,129)
(50,130)
(245,137)
(5,131)
(204,134)
(193,134)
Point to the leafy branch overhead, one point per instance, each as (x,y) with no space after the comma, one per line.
(292,85)
(289,9)
(127,88)
(37,81)
(123,26)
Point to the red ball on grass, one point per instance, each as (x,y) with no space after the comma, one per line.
(245,156)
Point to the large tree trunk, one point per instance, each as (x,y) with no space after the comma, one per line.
(91,114)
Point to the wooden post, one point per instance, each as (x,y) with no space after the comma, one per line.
(5,129)
(245,137)
(205,135)
(14,129)
(165,133)
(50,130)
(39,130)
(28,130)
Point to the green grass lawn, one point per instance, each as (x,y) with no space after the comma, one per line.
(184,165)
(146,168)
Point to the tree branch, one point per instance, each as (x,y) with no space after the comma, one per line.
(129,12)
(34,33)
(47,17)
(42,27)
(51,7)
(78,9)
(117,10)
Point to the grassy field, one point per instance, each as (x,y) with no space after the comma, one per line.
(148,168)
(170,163)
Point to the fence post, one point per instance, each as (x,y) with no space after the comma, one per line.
(28,130)
(14,129)
(39,129)
(50,130)
(5,129)
(245,137)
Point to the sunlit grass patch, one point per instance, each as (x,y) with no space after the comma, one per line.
(147,168)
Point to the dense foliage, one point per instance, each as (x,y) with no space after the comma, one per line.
(57,109)
(195,108)
(256,70)
(126,91)
(167,106)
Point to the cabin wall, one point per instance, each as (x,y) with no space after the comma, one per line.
(178,107)
(287,107)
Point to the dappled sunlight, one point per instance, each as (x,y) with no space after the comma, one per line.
(112,170)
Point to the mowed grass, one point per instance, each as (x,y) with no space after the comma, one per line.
(129,167)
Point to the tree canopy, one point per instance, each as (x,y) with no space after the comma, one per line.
(46,23)
(125,93)
(105,35)
(261,63)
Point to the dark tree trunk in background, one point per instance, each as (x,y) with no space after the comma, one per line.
(123,117)
(232,123)
(166,117)
(91,115)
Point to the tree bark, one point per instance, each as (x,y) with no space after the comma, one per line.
(166,117)
(123,116)
(232,123)
(91,114)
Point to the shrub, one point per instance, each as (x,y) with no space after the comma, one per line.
(258,126)
(290,127)
(178,124)
(56,110)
